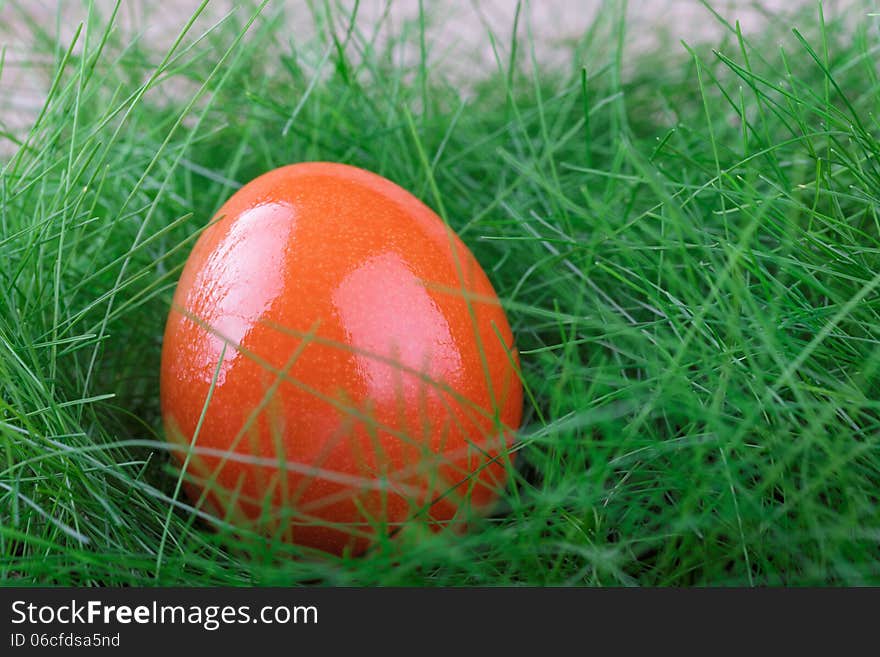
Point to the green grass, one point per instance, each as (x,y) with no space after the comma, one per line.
(688,247)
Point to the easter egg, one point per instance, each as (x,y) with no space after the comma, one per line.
(336,364)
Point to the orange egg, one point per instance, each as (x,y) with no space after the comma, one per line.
(364,372)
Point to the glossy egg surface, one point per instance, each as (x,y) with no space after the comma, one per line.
(363,370)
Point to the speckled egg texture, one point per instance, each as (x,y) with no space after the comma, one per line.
(364,372)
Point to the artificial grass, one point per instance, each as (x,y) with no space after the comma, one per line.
(687,243)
